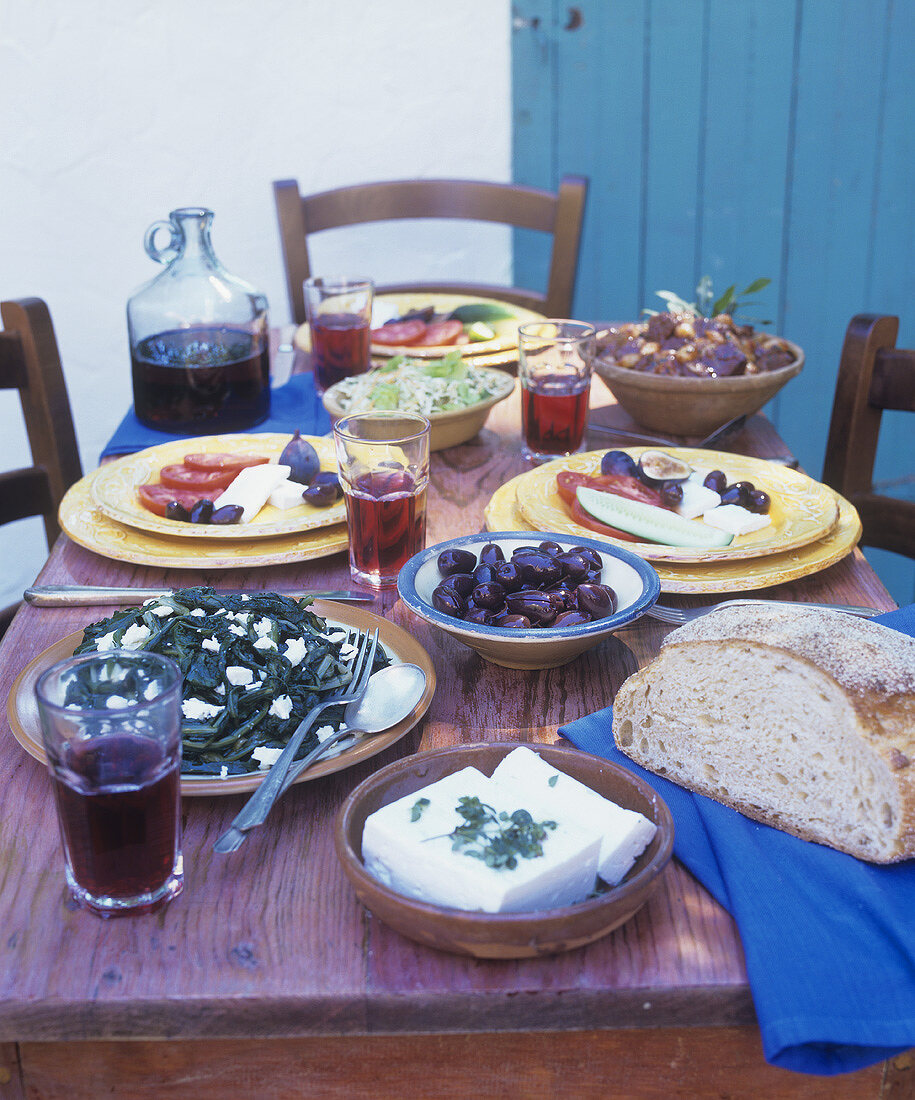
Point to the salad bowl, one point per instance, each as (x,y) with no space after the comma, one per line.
(448,428)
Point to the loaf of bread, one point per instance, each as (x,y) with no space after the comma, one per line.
(801,718)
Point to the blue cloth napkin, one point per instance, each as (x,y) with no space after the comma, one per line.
(294,405)
(829,940)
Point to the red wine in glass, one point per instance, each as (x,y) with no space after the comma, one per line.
(117,799)
(387,524)
(553,416)
(340,347)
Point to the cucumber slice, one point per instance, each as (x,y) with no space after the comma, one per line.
(648,522)
(487,312)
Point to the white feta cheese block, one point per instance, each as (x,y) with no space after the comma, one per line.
(735,520)
(625,834)
(416,857)
(288,494)
(252,488)
(697,498)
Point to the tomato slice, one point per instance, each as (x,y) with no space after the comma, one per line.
(630,487)
(399,333)
(441,333)
(157,497)
(207,483)
(216,461)
(582,517)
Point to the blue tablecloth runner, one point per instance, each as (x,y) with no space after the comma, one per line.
(829,940)
(294,405)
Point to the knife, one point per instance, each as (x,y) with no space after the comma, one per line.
(78,595)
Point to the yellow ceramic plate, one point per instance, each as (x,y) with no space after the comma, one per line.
(87,525)
(22,710)
(114,488)
(742,575)
(395,305)
(802,509)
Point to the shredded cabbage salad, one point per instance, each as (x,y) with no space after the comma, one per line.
(432,386)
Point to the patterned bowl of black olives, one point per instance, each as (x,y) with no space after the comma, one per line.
(528,599)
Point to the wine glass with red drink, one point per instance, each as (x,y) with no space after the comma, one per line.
(111,727)
(383,460)
(339,314)
(555,362)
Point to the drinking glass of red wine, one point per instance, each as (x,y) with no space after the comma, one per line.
(383,461)
(554,365)
(111,727)
(339,314)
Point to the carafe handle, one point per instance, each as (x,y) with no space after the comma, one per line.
(175,242)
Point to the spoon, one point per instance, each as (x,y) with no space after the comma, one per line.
(730,428)
(391,695)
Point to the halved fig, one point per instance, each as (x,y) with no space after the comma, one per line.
(658,466)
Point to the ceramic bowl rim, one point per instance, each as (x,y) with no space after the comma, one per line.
(651,590)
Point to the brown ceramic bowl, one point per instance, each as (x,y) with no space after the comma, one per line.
(502,935)
(693,406)
(447,429)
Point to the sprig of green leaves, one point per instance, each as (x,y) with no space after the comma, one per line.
(707,305)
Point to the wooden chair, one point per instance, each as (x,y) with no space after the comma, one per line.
(30,363)
(874,375)
(559,214)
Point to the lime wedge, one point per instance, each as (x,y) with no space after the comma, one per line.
(480,331)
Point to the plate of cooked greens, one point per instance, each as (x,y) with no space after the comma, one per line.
(253,665)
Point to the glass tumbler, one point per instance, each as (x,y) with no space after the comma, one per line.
(111,726)
(555,362)
(339,312)
(383,462)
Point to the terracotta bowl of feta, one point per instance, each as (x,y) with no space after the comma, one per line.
(551,783)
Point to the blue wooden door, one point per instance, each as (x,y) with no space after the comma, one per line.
(736,139)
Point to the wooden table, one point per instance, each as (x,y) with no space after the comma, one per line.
(266,977)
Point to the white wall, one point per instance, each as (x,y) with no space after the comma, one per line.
(115,112)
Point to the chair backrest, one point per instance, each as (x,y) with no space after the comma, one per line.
(557,213)
(874,375)
(30,363)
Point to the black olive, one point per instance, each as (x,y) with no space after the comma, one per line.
(462,583)
(320,495)
(596,600)
(447,601)
(589,554)
(509,576)
(491,554)
(484,573)
(550,547)
(733,494)
(716,480)
(537,568)
(514,622)
(176,510)
(618,462)
(571,618)
(574,565)
(328,477)
(228,513)
(490,596)
(758,502)
(671,493)
(456,561)
(202,512)
(565,593)
(479,615)
(534,605)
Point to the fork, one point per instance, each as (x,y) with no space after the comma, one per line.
(255,810)
(677,616)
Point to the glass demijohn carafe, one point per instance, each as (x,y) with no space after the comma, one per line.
(198,336)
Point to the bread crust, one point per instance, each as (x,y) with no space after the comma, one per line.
(868,673)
